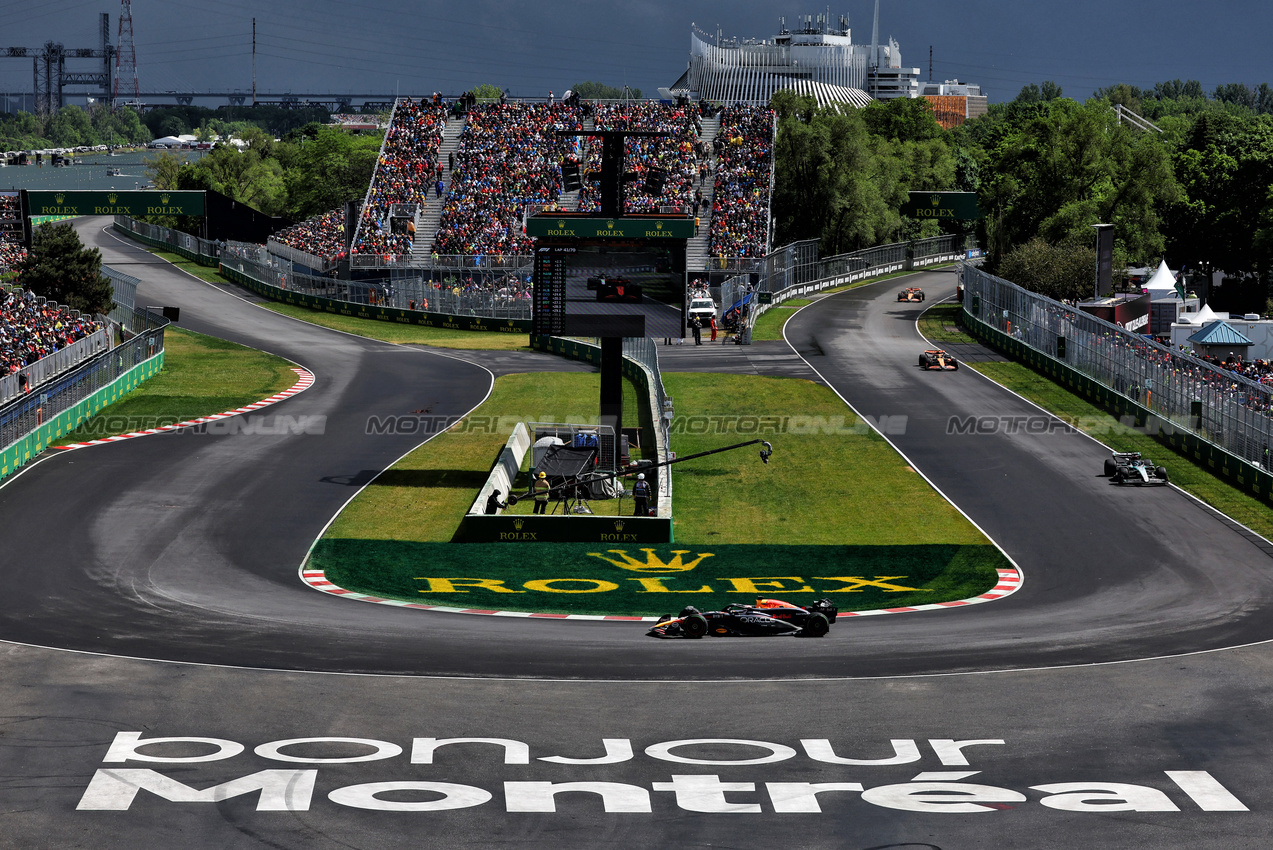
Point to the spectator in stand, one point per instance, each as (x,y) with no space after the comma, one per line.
(11,250)
(677,155)
(30,330)
(740,205)
(403,175)
(509,158)
(323,236)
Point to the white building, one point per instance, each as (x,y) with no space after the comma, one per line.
(817,57)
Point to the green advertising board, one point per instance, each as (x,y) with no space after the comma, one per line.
(139,202)
(610,228)
(955,206)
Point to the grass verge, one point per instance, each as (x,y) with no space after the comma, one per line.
(405,334)
(585,578)
(835,500)
(939,325)
(202,375)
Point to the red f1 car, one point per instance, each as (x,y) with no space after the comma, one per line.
(937,359)
(913,293)
(768,617)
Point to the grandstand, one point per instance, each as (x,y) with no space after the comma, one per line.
(509,158)
(499,162)
(405,172)
(11,250)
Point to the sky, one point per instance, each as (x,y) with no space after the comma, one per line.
(534,46)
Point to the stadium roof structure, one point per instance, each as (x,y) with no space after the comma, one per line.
(1219,333)
(830,95)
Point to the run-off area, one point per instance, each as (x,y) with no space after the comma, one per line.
(293,783)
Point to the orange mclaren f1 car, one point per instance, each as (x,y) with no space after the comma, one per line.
(912,294)
(937,359)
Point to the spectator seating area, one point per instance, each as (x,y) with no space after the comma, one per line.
(740,206)
(30,329)
(509,157)
(680,156)
(11,250)
(323,236)
(404,174)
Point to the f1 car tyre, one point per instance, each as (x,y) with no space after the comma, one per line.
(1118,476)
(1162,473)
(694,626)
(921,360)
(954,365)
(1110,467)
(816,626)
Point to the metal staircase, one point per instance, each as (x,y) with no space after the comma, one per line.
(698,249)
(429,216)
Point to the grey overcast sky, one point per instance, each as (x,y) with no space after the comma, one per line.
(530,47)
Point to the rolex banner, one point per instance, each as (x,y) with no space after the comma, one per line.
(644,579)
(951,206)
(133,203)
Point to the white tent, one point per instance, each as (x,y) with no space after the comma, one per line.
(1200,318)
(1163,281)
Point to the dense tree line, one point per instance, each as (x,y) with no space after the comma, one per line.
(1045,168)
(308,172)
(72,127)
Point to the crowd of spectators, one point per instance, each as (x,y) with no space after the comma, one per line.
(681,156)
(740,196)
(11,250)
(323,236)
(509,158)
(405,173)
(30,330)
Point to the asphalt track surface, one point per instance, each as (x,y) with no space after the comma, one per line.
(184,548)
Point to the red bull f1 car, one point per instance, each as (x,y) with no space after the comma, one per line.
(913,293)
(1131,468)
(767,618)
(937,359)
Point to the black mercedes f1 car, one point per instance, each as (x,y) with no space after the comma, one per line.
(768,617)
(1131,468)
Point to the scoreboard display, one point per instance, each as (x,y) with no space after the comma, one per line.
(603,288)
(548,304)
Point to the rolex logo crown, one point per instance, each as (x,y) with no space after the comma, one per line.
(652,563)
(618,525)
(518,523)
(60,198)
(163,199)
(113,198)
(561,224)
(936,199)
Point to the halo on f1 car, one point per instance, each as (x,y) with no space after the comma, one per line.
(1132,468)
(936,359)
(767,618)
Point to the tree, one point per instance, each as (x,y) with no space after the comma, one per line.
(600,91)
(327,168)
(487,91)
(1065,272)
(61,269)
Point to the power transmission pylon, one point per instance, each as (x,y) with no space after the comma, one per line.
(126,58)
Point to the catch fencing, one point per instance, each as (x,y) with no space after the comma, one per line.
(499,291)
(1183,394)
(29,423)
(205,252)
(795,270)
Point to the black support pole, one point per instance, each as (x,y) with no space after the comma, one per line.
(612,384)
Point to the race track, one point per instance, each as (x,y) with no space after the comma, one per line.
(184,548)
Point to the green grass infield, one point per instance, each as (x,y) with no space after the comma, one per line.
(202,376)
(586,578)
